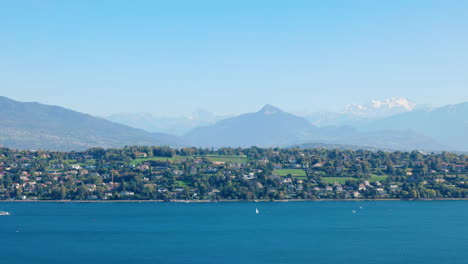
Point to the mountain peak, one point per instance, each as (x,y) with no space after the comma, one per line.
(269,110)
(381,108)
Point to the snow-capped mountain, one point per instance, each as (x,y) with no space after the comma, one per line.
(376,108)
(353,113)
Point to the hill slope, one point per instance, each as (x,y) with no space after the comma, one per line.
(38,126)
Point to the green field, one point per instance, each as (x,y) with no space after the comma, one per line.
(379,178)
(296,173)
(182,184)
(227,158)
(74,161)
(175,159)
(178,159)
(342,180)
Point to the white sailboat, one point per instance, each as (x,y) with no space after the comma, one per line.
(256,211)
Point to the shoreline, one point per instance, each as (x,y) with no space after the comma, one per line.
(226,201)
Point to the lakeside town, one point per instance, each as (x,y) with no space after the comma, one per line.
(194,174)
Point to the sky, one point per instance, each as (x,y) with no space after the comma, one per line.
(170,58)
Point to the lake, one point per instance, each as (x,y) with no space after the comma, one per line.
(231,232)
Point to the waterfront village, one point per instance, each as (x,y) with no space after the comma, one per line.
(195,174)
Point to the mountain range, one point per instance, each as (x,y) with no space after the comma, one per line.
(271,127)
(447,124)
(38,126)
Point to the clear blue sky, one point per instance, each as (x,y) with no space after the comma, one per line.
(229,57)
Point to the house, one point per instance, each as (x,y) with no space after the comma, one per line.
(178,172)
(361,187)
(144,167)
(213,192)
(459,168)
(75,166)
(287,180)
(193,170)
(95,174)
(271,189)
(277,166)
(380,191)
(318,164)
(444,166)
(24,178)
(92,197)
(249,176)
(210,169)
(140,155)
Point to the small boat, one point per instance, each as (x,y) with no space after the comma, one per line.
(354,212)
(4,213)
(256,211)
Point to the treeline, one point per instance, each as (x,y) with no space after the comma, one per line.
(163,173)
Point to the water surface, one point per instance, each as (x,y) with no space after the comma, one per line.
(293,232)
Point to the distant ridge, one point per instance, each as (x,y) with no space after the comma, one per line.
(272,127)
(447,124)
(37,126)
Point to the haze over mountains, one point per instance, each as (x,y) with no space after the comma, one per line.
(39,126)
(395,124)
(447,124)
(353,113)
(272,127)
(171,125)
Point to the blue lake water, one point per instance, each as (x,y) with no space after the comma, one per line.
(290,232)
